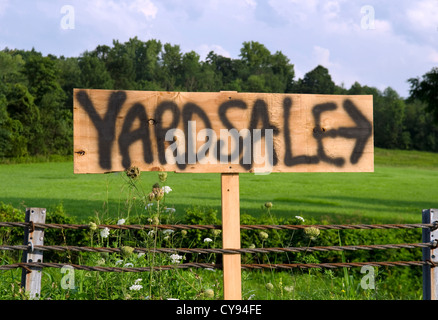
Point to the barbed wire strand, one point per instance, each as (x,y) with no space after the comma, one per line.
(33,265)
(27,266)
(224,251)
(208,227)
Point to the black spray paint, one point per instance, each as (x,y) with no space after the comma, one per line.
(259,119)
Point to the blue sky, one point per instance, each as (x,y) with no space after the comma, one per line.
(377,43)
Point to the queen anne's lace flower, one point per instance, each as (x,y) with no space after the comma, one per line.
(136,287)
(104,233)
(263,235)
(176,258)
(312,232)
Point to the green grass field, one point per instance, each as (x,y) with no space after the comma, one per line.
(402,185)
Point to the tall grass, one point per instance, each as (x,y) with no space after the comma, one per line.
(392,194)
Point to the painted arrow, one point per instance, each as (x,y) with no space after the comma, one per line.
(361,132)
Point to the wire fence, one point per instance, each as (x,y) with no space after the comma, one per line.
(31,248)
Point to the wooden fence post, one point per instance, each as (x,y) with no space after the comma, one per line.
(31,277)
(430,275)
(231,236)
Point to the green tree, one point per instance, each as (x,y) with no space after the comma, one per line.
(145,56)
(171,60)
(420,128)
(284,73)
(69,78)
(10,68)
(94,74)
(12,142)
(190,71)
(42,76)
(389,116)
(256,83)
(316,81)
(426,90)
(256,57)
(120,65)
(26,127)
(54,121)
(228,72)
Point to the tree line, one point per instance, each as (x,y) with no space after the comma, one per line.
(36,91)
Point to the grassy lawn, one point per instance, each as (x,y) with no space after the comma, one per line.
(401,186)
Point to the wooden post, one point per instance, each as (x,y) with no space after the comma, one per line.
(430,275)
(31,277)
(231,236)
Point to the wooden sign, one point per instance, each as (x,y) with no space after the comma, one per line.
(226,132)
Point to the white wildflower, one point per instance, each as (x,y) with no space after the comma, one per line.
(168,231)
(263,235)
(171,210)
(121,221)
(136,287)
(104,233)
(166,189)
(176,258)
(149,205)
(137,281)
(129,264)
(299,218)
(289,288)
(207,240)
(119,262)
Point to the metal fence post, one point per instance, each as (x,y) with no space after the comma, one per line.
(31,276)
(430,274)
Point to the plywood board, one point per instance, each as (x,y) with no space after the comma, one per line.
(226,132)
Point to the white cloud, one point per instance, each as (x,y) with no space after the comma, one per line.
(146,7)
(120,9)
(423,15)
(327,32)
(295,10)
(331,9)
(204,49)
(322,56)
(433,56)
(384,27)
(114,20)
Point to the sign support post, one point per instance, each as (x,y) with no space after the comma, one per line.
(231,236)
